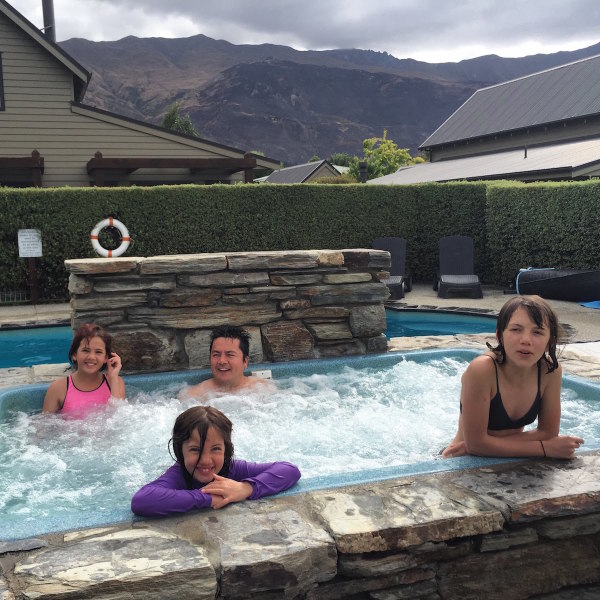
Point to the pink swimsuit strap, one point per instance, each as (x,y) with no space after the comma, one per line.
(78,400)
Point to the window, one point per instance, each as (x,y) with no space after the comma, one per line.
(1,86)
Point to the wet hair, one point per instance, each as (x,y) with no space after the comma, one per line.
(232,333)
(87,331)
(542,314)
(200,418)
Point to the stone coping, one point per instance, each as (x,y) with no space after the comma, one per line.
(294,544)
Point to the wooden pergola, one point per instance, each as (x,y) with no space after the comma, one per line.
(98,166)
(32,168)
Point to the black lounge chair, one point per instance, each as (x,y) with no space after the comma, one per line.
(457,274)
(400,279)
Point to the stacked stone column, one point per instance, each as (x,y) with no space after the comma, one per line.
(295,304)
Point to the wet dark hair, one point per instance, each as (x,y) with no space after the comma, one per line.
(232,333)
(200,418)
(542,314)
(87,331)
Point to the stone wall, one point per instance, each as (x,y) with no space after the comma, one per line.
(295,304)
(510,531)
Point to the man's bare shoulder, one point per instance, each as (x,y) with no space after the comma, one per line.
(198,390)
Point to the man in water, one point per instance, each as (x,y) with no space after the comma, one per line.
(229,350)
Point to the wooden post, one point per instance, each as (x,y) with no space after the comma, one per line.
(33,286)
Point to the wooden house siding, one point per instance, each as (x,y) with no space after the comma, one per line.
(41,113)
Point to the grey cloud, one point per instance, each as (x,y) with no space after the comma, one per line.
(404,28)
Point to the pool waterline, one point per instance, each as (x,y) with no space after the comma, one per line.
(78,519)
(26,347)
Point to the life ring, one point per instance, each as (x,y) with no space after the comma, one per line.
(125,239)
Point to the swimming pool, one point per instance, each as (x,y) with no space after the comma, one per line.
(49,345)
(342,421)
(411,323)
(34,346)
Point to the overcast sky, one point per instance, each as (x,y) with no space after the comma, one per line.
(429,30)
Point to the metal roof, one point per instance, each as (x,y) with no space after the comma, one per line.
(566,92)
(569,159)
(297,173)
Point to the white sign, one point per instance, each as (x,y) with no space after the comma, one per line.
(30,243)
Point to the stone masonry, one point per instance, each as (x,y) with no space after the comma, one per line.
(294,304)
(528,529)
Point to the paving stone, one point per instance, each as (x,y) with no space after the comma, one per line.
(179,263)
(90,266)
(22,545)
(124,564)
(297,259)
(537,489)
(405,513)
(262,544)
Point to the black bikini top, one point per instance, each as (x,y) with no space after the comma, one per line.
(499,418)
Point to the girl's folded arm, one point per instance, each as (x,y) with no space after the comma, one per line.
(265,478)
(167,495)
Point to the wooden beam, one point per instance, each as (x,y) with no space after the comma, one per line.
(34,163)
(194,164)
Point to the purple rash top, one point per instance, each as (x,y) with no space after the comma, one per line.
(169,494)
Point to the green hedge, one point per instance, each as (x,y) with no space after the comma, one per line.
(542,225)
(513,225)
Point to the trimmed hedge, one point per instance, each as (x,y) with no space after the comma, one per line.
(542,225)
(216,218)
(513,225)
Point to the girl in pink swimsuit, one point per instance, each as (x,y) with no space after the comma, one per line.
(90,353)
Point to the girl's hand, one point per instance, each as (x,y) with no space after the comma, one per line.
(113,365)
(225,490)
(455,449)
(562,446)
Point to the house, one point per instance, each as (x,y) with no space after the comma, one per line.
(50,138)
(304,173)
(544,126)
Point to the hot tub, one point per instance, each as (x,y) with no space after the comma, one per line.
(343,421)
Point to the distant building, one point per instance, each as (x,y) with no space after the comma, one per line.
(49,138)
(303,173)
(544,126)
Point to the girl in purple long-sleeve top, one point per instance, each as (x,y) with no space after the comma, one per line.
(206,475)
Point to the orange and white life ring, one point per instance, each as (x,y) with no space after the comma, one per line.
(125,239)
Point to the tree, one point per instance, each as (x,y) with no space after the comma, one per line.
(314,158)
(342,159)
(382,157)
(182,124)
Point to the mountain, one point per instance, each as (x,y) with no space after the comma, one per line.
(286,103)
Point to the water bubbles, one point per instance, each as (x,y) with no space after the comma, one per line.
(342,422)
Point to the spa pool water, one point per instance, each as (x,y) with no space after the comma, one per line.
(372,418)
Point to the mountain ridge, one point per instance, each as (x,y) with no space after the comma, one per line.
(290,104)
